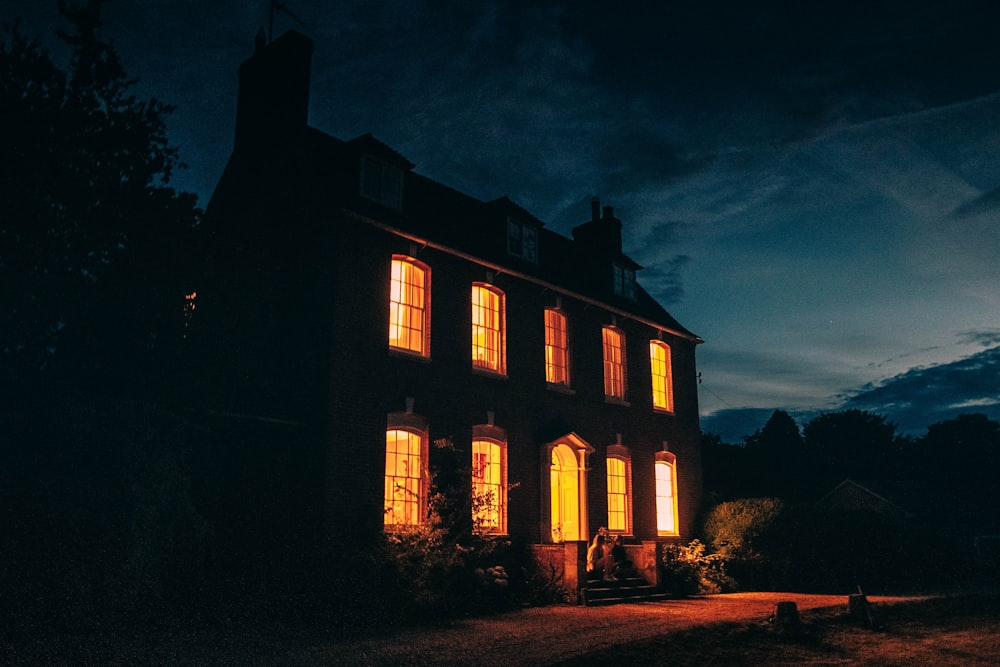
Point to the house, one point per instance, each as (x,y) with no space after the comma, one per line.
(364,323)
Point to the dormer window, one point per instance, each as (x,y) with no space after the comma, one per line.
(522,240)
(623,281)
(382,182)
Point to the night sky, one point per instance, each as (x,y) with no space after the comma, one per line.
(813,190)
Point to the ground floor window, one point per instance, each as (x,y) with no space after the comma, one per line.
(489,489)
(404,477)
(666,493)
(619,474)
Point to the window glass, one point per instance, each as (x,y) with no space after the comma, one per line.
(488,328)
(614,363)
(403,478)
(659,363)
(408,312)
(487,486)
(617,495)
(556,348)
(522,240)
(624,281)
(666,509)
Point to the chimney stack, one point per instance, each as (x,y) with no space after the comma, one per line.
(273,103)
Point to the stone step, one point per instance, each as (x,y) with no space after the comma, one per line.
(635,589)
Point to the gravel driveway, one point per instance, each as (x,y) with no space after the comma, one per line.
(546,635)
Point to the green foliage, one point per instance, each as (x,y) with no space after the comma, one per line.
(446,566)
(689,570)
(733,528)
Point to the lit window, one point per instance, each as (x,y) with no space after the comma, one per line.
(659,362)
(666,497)
(623,280)
(522,240)
(488,486)
(614,363)
(404,490)
(488,345)
(556,348)
(409,301)
(382,182)
(618,494)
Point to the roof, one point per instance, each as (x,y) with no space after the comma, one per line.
(317,169)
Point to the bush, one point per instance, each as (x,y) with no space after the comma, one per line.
(688,570)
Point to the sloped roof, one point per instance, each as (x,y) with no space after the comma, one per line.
(319,168)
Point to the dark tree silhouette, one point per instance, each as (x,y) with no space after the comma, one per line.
(724,470)
(100,508)
(962,456)
(783,466)
(93,241)
(853,443)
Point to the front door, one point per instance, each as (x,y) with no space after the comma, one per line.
(565,486)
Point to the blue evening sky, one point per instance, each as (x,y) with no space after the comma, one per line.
(812,187)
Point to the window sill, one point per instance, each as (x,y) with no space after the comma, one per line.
(485,372)
(662,411)
(400,353)
(560,388)
(612,400)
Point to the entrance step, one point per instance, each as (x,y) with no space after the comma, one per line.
(632,589)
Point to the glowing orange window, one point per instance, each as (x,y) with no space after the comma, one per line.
(659,363)
(488,488)
(488,345)
(614,363)
(409,306)
(404,489)
(617,495)
(556,348)
(666,486)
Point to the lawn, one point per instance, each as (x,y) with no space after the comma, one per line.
(729,629)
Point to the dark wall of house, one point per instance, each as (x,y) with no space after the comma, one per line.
(293,320)
(369,381)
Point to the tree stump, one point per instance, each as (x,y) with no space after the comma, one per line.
(861,610)
(786,618)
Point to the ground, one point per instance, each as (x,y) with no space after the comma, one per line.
(719,629)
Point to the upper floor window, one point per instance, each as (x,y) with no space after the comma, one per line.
(614,362)
(405,493)
(489,488)
(522,240)
(623,280)
(660,368)
(666,493)
(409,306)
(556,348)
(382,182)
(488,344)
(619,489)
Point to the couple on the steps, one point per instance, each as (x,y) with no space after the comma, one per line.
(606,558)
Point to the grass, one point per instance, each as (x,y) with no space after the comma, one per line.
(962,630)
(949,630)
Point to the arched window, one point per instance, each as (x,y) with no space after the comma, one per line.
(409,306)
(488,324)
(489,479)
(619,469)
(556,348)
(405,498)
(666,493)
(614,362)
(662,375)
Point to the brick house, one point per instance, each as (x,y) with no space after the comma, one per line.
(364,322)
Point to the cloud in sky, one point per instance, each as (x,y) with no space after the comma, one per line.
(813,190)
